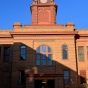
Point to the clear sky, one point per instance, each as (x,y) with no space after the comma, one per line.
(68,11)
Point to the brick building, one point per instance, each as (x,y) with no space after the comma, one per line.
(43,54)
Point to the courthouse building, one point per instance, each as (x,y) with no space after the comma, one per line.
(43,54)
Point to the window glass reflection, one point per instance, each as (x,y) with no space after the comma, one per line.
(80,53)
(22,57)
(38,62)
(50,59)
(44,57)
(23,53)
(43,48)
(37,56)
(23,46)
(66,76)
(6,50)
(6,54)
(38,50)
(49,50)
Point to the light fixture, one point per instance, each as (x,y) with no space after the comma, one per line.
(44,81)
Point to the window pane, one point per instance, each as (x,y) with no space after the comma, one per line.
(23,46)
(49,59)
(6,58)
(64,46)
(81,57)
(6,53)
(64,56)
(38,50)
(64,52)
(80,49)
(37,62)
(66,80)
(22,77)
(37,59)
(43,48)
(37,56)
(44,59)
(43,56)
(66,73)
(23,51)
(66,76)
(49,50)
(22,57)
(22,73)
(80,53)
(6,50)
(22,80)
(49,62)
(44,62)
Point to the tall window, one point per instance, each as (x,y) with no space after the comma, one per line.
(6,54)
(80,53)
(64,52)
(22,77)
(23,53)
(43,55)
(66,76)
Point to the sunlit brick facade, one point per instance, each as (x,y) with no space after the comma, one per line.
(43,54)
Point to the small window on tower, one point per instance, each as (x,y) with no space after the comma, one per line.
(43,1)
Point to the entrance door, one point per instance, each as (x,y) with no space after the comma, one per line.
(44,84)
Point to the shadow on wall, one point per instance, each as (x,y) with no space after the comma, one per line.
(25,59)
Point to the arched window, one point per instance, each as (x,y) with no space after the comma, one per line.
(64,52)
(23,52)
(43,55)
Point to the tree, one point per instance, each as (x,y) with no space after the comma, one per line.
(85,85)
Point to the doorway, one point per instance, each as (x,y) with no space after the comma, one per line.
(44,83)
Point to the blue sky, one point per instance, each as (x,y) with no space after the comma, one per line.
(68,11)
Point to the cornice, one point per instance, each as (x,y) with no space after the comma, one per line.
(81,40)
(5,36)
(83,35)
(45,33)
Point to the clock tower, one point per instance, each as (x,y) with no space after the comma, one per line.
(43,12)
